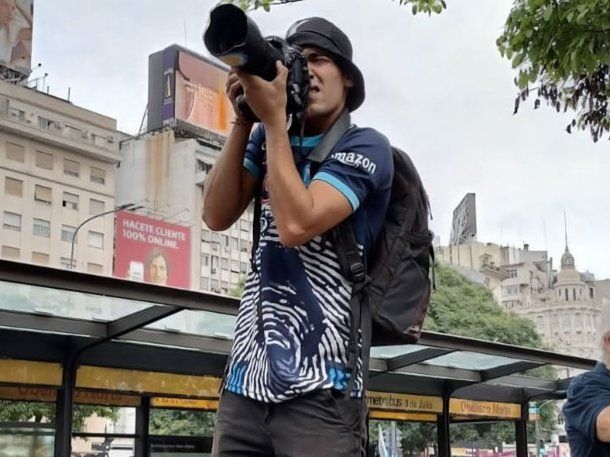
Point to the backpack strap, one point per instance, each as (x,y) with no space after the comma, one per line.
(256,224)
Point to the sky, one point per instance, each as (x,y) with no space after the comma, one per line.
(436,87)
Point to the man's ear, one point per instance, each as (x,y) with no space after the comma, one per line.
(347,81)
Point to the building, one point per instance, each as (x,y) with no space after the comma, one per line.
(164,173)
(57,168)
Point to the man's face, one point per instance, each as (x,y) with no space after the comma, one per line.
(328,85)
(157,271)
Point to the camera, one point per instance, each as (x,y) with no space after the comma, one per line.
(236,40)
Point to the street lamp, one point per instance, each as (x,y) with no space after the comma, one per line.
(129,206)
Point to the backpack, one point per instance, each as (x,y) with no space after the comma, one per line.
(396,282)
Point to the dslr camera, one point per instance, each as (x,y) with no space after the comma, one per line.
(236,40)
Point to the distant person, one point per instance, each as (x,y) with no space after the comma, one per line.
(157,267)
(587,410)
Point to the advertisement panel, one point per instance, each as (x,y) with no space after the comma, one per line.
(16,19)
(151,250)
(187,91)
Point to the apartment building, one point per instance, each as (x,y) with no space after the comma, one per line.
(57,167)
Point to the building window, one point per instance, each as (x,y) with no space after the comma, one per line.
(70,201)
(9,252)
(205,235)
(566,294)
(17,114)
(96,206)
(11,221)
(65,262)
(510,290)
(44,123)
(224,264)
(40,258)
(574,294)
(96,240)
(71,168)
(234,243)
(243,246)
(13,187)
(95,268)
(98,175)
(205,260)
(243,225)
(67,232)
(214,284)
(243,267)
(235,266)
(15,152)
(591,292)
(205,283)
(225,242)
(512,273)
(44,160)
(42,228)
(42,194)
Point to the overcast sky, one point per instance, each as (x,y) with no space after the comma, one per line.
(436,86)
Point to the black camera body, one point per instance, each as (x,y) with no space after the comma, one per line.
(235,39)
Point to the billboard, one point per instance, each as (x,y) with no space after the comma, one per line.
(187,91)
(16,19)
(151,250)
(464,227)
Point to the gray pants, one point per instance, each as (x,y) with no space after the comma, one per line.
(318,424)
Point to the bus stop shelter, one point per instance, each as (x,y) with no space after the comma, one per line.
(73,335)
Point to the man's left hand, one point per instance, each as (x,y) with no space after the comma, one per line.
(266,99)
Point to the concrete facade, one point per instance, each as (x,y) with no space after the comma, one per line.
(57,168)
(165,174)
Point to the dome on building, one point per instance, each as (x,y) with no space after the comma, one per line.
(567,260)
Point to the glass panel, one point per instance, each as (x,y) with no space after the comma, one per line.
(202,323)
(181,423)
(77,305)
(71,168)
(470,361)
(42,194)
(44,160)
(26,441)
(15,152)
(103,446)
(13,187)
(104,419)
(388,352)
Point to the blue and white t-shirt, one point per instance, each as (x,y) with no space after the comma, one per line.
(293,323)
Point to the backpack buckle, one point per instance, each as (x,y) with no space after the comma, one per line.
(357,272)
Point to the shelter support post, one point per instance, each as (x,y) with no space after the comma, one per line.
(142,447)
(443,429)
(521,431)
(64,407)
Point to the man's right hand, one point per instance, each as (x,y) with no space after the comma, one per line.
(233,90)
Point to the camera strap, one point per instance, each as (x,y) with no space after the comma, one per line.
(331,138)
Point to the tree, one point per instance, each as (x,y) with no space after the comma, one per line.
(238,290)
(38,412)
(180,422)
(563,49)
(560,49)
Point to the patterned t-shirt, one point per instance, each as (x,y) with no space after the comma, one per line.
(293,323)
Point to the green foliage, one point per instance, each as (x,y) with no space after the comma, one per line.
(417,6)
(564,48)
(21,411)
(181,423)
(238,290)
(464,308)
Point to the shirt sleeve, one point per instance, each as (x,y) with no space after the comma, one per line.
(359,166)
(587,397)
(255,154)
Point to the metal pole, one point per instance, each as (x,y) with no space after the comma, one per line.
(142,445)
(443,428)
(65,407)
(119,208)
(521,431)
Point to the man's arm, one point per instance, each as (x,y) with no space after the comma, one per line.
(301,213)
(602,425)
(229,187)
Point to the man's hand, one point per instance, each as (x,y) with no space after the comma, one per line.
(233,90)
(266,99)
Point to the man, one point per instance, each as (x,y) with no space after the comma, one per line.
(287,374)
(587,410)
